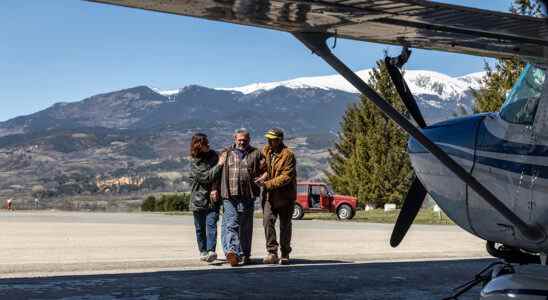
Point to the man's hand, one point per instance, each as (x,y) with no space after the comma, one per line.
(261,179)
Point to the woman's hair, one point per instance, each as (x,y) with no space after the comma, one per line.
(198,140)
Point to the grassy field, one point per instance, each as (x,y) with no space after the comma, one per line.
(425,216)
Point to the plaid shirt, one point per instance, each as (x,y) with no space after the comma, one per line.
(236,175)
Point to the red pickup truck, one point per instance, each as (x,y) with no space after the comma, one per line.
(317,197)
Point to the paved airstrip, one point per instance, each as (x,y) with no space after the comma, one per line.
(72,255)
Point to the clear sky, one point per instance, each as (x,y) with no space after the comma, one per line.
(67,50)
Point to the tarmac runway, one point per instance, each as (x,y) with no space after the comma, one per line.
(389,280)
(63,255)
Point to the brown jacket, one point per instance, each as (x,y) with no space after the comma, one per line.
(280,188)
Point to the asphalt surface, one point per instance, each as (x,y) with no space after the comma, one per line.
(392,280)
(61,255)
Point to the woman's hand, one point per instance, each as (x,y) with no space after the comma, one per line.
(222,159)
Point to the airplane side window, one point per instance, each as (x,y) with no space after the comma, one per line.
(521,104)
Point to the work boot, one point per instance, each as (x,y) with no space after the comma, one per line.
(271,259)
(232,259)
(203,256)
(284,260)
(246,260)
(211,256)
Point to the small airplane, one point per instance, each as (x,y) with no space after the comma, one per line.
(488,172)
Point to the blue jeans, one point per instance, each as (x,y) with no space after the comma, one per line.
(237,228)
(205,222)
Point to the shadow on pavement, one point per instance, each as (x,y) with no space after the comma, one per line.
(309,279)
(296,261)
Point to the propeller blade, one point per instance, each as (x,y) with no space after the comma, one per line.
(411,206)
(403,89)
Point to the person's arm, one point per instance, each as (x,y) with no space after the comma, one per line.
(205,176)
(287,174)
(262,161)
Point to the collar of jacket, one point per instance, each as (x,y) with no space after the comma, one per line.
(247,149)
(270,150)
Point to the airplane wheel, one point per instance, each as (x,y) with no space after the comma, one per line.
(345,212)
(298,212)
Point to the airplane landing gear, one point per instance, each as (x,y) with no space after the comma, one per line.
(483,278)
(500,280)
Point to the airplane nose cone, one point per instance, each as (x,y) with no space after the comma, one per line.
(457,138)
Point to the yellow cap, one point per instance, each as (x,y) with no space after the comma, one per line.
(274,133)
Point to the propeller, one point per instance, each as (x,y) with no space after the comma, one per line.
(416,194)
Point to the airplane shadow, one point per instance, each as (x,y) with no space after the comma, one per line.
(305,279)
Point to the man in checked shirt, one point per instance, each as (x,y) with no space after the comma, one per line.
(239,191)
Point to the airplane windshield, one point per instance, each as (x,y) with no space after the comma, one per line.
(521,104)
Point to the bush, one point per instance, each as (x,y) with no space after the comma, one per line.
(173,202)
(149,204)
(160,204)
(177,202)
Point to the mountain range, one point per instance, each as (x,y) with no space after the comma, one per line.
(74,149)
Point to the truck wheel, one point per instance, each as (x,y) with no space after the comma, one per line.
(298,212)
(344,212)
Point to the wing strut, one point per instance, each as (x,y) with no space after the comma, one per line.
(316,42)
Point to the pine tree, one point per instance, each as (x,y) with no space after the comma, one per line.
(369,159)
(499,81)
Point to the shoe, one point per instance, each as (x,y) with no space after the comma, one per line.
(203,256)
(246,260)
(232,259)
(271,259)
(211,256)
(284,260)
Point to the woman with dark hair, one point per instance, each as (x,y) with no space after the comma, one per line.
(204,176)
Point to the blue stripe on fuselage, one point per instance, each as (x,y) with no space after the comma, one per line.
(462,133)
(506,165)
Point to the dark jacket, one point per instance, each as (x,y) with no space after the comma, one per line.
(204,177)
(253,160)
(280,188)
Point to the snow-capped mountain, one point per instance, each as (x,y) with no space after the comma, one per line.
(439,96)
(421,82)
(307,104)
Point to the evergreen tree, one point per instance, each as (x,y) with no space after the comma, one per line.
(499,81)
(369,159)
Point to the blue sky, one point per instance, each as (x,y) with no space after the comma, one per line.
(67,50)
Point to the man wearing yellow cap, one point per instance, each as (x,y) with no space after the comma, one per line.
(279,195)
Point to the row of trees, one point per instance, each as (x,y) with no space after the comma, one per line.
(369,159)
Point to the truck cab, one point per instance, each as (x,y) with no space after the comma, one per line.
(317,197)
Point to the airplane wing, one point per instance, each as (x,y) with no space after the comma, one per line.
(414,23)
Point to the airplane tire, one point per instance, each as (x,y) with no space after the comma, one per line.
(298,212)
(345,212)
